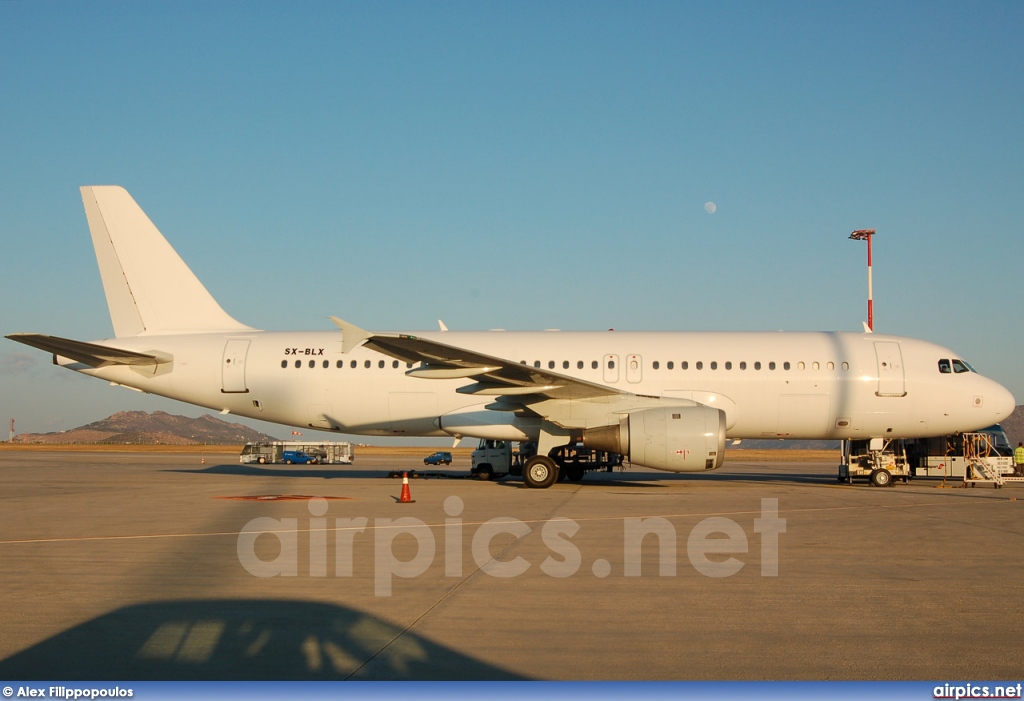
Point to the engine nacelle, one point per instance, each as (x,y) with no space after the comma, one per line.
(676,439)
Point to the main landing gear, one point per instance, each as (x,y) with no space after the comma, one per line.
(540,472)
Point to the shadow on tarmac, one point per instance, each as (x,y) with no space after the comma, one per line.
(290,471)
(230,639)
(593,479)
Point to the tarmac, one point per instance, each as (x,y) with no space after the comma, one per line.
(135,566)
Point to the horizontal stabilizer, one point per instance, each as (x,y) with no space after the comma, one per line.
(92,354)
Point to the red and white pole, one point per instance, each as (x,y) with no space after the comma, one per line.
(867,235)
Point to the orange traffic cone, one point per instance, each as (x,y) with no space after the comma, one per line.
(406,496)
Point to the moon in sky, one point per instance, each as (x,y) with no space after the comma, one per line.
(710,207)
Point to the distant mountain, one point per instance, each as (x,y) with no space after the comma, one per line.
(1013,425)
(140,427)
(781,444)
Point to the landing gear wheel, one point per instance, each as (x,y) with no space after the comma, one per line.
(881,478)
(574,473)
(540,472)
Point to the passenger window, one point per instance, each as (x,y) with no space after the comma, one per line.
(380,363)
(743,365)
(728,365)
(327,364)
(699,365)
(565,364)
(298,363)
(312,363)
(685,365)
(831,365)
(611,364)
(714,365)
(593,365)
(341,363)
(771,365)
(284,363)
(785,365)
(551,365)
(757,365)
(394,364)
(845,366)
(579,364)
(960,366)
(815,366)
(670,365)
(366,364)
(353,365)
(536,363)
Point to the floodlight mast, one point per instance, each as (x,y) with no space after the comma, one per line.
(867,235)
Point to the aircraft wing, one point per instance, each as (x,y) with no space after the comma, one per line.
(494,376)
(92,354)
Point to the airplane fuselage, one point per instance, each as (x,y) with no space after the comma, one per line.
(769,385)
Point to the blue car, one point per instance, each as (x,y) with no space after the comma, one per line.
(298,457)
(438,458)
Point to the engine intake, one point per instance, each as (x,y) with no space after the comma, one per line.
(676,439)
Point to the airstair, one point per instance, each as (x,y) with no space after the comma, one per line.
(977,448)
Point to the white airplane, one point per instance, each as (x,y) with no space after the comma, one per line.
(665,400)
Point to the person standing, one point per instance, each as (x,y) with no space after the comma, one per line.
(1018,460)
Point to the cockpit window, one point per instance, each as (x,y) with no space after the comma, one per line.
(944,366)
(960,366)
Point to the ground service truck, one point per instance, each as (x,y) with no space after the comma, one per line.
(500,458)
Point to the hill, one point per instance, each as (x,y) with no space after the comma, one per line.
(1014,426)
(140,427)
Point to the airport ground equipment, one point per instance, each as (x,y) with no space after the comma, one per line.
(879,460)
(325,452)
(979,456)
(493,458)
(980,464)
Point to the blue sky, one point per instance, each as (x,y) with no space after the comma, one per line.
(518,165)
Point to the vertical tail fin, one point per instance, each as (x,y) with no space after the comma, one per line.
(149,288)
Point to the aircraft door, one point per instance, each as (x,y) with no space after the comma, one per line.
(611,369)
(891,380)
(233,366)
(634,368)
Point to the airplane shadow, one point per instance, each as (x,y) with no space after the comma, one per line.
(654,479)
(231,639)
(300,471)
(598,479)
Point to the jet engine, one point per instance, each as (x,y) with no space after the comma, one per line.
(676,439)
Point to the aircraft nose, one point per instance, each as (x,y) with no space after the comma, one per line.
(1002,402)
